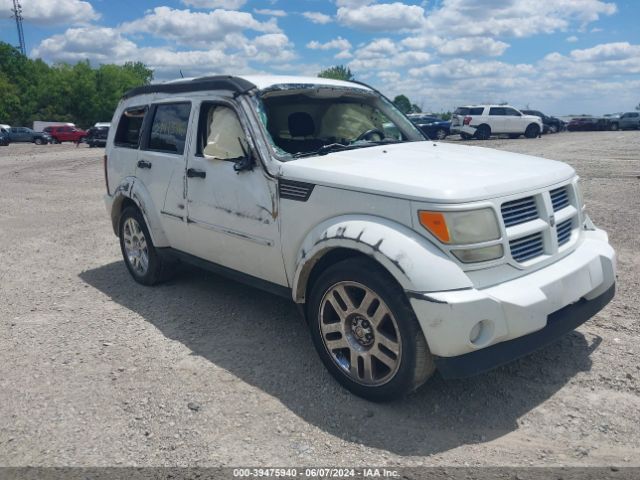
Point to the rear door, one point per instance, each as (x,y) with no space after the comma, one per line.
(161,164)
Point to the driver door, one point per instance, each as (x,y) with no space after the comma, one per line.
(232,214)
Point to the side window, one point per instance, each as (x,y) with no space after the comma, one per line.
(169,128)
(497,111)
(476,111)
(129,127)
(220,133)
(635,115)
(511,112)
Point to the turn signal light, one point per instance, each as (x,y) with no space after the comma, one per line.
(436,224)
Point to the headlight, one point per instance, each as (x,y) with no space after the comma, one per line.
(464,227)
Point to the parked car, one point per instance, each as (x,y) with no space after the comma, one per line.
(404,255)
(627,121)
(549,124)
(4,137)
(97,136)
(65,133)
(434,127)
(483,121)
(588,124)
(24,134)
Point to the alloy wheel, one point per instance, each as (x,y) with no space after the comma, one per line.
(135,246)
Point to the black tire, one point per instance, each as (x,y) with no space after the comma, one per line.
(465,136)
(441,134)
(553,129)
(413,365)
(483,132)
(38,141)
(532,131)
(159,267)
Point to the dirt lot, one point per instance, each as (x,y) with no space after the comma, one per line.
(97,370)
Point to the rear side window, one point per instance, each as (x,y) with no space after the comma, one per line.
(497,111)
(169,128)
(129,127)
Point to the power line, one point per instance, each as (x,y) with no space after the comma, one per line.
(17,14)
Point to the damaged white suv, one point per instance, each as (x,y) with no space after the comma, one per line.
(406,255)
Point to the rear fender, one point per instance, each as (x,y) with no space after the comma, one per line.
(135,190)
(415,263)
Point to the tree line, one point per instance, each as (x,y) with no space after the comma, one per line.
(33,90)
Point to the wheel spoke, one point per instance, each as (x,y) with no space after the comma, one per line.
(378,316)
(338,344)
(366,302)
(353,363)
(391,345)
(367,374)
(344,296)
(332,328)
(336,307)
(389,362)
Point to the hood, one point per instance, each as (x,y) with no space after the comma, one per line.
(428,171)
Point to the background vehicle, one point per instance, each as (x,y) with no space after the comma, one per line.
(549,124)
(97,136)
(434,127)
(483,121)
(61,134)
(588,124)
(24,134)
(4,137)
(39,126)
(629,121)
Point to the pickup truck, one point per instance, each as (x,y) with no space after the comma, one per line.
(25,134)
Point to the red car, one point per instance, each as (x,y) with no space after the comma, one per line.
(65,133)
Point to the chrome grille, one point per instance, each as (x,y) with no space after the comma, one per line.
(564,231)
(519,211)
(525,248)
(559,198)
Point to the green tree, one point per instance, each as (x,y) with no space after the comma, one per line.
(415,108)
(338,72)
(403,103)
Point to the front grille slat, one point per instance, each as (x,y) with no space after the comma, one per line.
(559,198)
(519,211)
(528,247)
(564,231)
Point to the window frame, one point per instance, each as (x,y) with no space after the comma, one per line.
(130,146)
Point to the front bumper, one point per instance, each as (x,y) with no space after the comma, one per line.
(471,331)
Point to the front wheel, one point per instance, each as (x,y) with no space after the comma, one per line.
(532,131)
(441,134)
(366,333)
(38,141)
(140,256)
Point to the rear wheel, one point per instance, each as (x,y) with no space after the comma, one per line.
(532,131)
(140,256)
(483,132)
(366,333)
(38,141)
(441,134)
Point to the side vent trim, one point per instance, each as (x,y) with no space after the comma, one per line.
(298,191)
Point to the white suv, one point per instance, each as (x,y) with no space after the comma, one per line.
(482,121)
(405,255)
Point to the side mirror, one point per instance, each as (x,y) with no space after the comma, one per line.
(246,162)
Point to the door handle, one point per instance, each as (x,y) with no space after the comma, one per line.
(144,164)
(193,173)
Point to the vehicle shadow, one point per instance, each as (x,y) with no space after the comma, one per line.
(261,339)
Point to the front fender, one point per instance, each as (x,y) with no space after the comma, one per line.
(135,190)
(416,263)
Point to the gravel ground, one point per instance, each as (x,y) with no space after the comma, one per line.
(96,370)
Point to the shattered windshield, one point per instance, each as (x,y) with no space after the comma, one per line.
(318,120)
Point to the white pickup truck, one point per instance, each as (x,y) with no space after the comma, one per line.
(405,255)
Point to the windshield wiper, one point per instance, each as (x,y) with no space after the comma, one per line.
(335,147)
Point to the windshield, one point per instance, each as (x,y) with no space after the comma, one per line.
(318,120)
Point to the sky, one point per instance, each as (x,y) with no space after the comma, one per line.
(559,56)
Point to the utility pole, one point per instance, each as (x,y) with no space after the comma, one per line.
(17,14)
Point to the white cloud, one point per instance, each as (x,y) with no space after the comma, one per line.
(383,17)
(353,3)
(228,4)
(268,11)
(53,12)
(343,55)
(481,46)
(197,28)
(335,44)
(317,17)
(572,39)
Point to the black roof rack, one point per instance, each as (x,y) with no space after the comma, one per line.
(217,82)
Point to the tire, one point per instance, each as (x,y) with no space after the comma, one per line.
(553,129)
(441,134)
(144,263)
(465,136)
(38,141)
(390,360)
(532,131)
(483,132)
